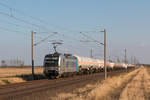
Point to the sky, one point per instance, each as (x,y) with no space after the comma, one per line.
(126,22)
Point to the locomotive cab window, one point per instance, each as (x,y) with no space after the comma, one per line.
(51,61)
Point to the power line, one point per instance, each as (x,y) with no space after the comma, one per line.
(22,20)
(21,12)
(6,14)
(93,40)
(6,29)
(17,25)
(34,18)
(54,33)
(9,30)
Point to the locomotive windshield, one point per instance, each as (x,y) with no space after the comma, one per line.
(51,61)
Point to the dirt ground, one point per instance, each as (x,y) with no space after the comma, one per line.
(131,86)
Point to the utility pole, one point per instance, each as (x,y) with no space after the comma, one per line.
(104,44)
(125,56)
(91,53)
(105,53)
(125,60)
(134,60)
(32,45)
(105,63)
(131,59)
(118,60)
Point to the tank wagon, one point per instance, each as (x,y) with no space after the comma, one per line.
(89,65)
(118,66)
(55,65)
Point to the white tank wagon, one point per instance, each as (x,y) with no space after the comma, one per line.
(131,66)
(124,65)
(89,64)
(110,65)
(117,66)
(120,66)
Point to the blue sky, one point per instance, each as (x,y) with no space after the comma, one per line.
(127,23)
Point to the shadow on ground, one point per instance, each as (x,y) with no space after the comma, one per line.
(29,77)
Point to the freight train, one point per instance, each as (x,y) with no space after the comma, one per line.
(56,64)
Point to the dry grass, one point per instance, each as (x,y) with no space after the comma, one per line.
(147,84)
(99,91)
(9,74)
(138,88)
(4,81)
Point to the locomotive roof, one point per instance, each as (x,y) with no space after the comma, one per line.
(53,55)
(87,58)
(57,54)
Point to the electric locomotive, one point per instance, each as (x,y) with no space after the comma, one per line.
(56,64)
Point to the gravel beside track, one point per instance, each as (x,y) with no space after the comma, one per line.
(40,89)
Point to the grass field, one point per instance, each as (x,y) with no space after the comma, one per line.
(15,75)
(130,86)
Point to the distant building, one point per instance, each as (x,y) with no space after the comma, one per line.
(12,63)
(3,63)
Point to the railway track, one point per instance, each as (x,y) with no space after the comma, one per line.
(27,88)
